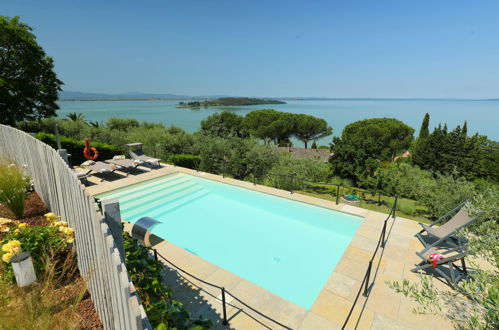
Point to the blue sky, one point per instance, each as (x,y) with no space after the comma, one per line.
(271,48)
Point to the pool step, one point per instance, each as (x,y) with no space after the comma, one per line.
(160,213)
(161,200)
(123,194)
(158,192)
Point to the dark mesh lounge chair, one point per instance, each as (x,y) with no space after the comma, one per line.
(445,267)
(445,234)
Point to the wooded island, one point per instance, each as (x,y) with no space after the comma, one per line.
(228,101)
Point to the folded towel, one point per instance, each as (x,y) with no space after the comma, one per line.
(434,257)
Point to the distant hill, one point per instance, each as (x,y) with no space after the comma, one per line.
(228,101)
(74,95)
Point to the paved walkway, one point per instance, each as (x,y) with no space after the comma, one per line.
(384,309)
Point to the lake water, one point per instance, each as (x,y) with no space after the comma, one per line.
(482,116)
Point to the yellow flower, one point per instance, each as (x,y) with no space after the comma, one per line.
(61,223)
(6,247)
(51,216)
(15,250)
(66,230)
(15,243)
(6,257)
(4,229)
(22,225)
(16,231)
(70,240)
(4,221)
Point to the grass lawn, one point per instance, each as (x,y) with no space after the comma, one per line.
(406,208)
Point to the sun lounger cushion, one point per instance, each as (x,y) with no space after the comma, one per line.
(139,155)
(102,167)
(130,163)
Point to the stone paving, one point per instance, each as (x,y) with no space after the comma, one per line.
(383,309)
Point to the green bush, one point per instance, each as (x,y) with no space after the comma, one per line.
(307,169)
(443,193)
(13,187)
(75,147)
(121,123)
(184,160)
(146,274)
(40,242)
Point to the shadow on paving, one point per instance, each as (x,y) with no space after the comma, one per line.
(202,303)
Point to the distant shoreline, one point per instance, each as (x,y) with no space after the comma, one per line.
(281,98)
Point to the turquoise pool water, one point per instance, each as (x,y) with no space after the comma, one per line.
(287,247)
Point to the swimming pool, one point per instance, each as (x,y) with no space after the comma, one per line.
(287,247)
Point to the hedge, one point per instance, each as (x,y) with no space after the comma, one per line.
(75,147)
(185,160)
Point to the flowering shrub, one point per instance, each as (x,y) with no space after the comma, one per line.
(10,249)
(8,225)
(54,239)
(61,225)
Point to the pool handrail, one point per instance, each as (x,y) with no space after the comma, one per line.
(222,289)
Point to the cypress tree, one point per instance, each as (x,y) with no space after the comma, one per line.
(424,132)
(465,129)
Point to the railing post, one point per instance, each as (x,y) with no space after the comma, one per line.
(383,234)
(368,275)
(223,168)
(224,308)
(292,181)
(254,177)
(337,194)
(379,199)
(174,160)
(155,254)
(395,206)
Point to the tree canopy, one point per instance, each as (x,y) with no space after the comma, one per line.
(364,144)
(445,152)
(309,128)
(28,84)
(276,126)
(224,124)
(269,124)
(389,135)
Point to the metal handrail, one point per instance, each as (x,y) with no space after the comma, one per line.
(222,289)
(365,282)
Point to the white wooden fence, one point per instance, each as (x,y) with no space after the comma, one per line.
(99,261)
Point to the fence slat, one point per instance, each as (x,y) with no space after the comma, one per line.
(98,258)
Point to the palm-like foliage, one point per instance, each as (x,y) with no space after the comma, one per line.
(95,124)
(75,116)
